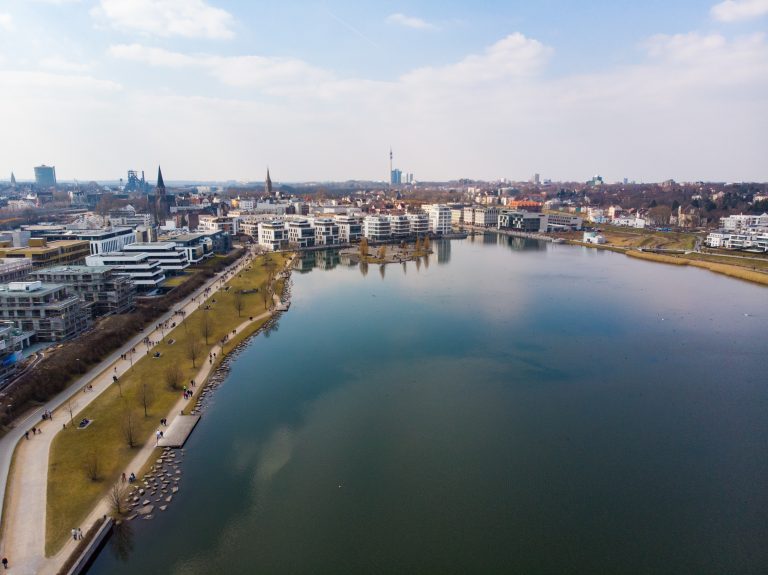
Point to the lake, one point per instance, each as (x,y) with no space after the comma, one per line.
(503,406)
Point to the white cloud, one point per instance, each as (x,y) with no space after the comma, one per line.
(409,21)
(277,75)
(16,82)
(60,64)
(6,21)
(694,107)
(735,10)
(513,56)
(186,18)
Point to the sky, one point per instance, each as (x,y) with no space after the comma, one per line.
(320,90)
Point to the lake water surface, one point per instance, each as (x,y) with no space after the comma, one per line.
(506,406)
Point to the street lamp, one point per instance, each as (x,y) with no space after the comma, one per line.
(79,366)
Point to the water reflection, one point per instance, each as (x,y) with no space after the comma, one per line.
(443,248)
(121,543)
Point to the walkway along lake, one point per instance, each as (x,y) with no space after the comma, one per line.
(504,406)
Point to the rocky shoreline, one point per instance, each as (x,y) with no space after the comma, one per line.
(154,491)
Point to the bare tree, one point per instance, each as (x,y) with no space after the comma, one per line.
(145,396)
(238,302)
(426,243)
(363,248)
(193,350)
(173,376)
(92,465)
(205,327)
(382,253)
(129,429)
(70,406)
(116,499)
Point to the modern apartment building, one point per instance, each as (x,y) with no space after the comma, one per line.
(44,254)
(301,234)
(350,229)
(144,271)
(439,219)
(419,224)
(377,228)
(172,260)
(399,226)
(562,221)
(52,311)
(326,232)
(272,235)
(101,289)
(519,220)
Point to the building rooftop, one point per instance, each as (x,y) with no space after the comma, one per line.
(73,269)
(35,287)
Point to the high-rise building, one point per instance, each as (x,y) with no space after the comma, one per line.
(45,176)
(396,177)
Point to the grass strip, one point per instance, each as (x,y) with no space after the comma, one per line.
(83,464)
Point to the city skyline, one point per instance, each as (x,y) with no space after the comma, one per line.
(218,90)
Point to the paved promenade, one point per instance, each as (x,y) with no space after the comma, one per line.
(24,529)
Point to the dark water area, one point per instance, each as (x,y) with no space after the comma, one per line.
(504,406)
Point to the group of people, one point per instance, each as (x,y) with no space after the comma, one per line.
(47,415)
(125,355)
(34,431)
(130,479)
(77,533)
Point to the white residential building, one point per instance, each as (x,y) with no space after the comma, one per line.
(272,235)
(326,232)
(751,240)
(399,226)
(486,217)
(439,219)
(350,229)
(457,216)
(742,222)
(376,228)
(141,268)
(228,224)
(563,221)
(300,233)
(172,259)
(419,224)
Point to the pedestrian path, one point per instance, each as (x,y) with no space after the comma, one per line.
(23,540)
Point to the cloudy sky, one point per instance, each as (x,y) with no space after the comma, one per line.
(319,90)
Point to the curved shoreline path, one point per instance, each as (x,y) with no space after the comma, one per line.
(24,527)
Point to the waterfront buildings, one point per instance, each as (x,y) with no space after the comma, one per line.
(272,235)
(104,241)
(52,311)
(522,221)
(419,224)
(196,247)
(750,240)
(439,219)
(350,229)
(171,259)
(300,233)
(101,289)
(399,226)
(744,221)
(377,228)
(561,221)
(144,271)
(326,232)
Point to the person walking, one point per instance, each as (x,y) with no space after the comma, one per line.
(79,534)
(74,534)
(5,562)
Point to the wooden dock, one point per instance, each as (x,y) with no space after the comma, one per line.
(178,431)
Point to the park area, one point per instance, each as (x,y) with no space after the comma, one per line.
(85,463)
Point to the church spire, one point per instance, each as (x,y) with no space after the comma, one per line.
(160,182)
(13,180)
(268,184)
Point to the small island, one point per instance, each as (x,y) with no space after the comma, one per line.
(388,253)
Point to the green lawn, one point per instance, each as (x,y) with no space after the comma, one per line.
(71,493)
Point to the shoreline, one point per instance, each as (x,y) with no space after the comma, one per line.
(52,555)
